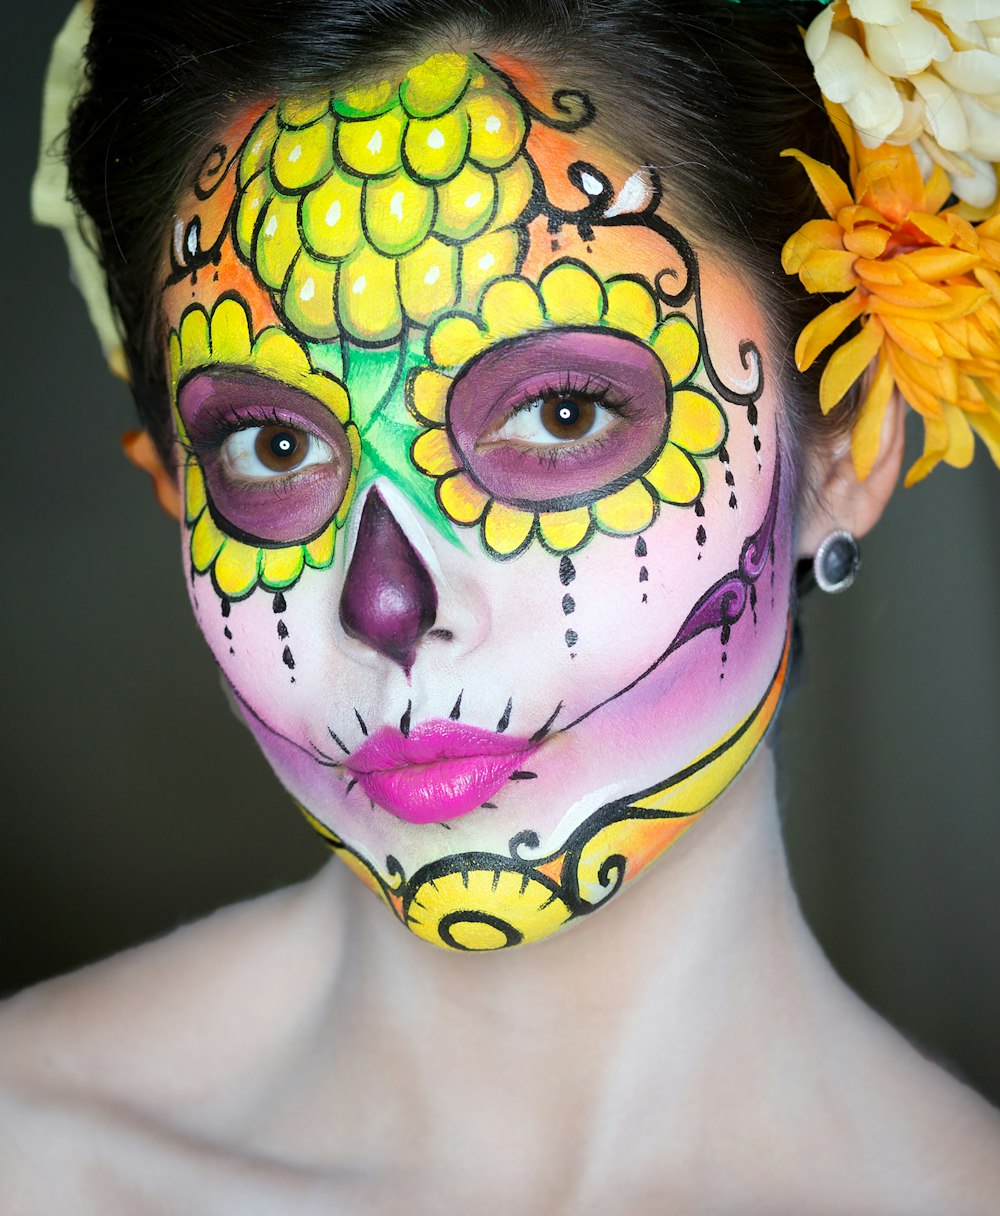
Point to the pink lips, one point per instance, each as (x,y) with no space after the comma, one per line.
(439,771)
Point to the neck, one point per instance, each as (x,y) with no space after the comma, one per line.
(699,949)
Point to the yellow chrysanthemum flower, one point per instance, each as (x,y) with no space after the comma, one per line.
(568,294)
(925,284)
(225,338)
(382,205)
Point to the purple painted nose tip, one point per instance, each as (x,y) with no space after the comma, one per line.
(389,600)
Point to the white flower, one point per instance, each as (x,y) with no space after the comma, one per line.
(919,72)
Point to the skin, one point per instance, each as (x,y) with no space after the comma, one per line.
(379,582)
(689,1049)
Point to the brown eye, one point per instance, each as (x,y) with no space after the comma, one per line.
(280,448)
(567,416)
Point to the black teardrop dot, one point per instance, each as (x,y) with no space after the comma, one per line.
(286,658)
(228,634)
(226,607)
(568,605)
(643,574)
(699,508)
(732,502)
(282,630)
(567,571)
(753,602)
(752,419)
(701,535)
(640,547)
(572,637)
(725,635)
(505,718)
(279,604)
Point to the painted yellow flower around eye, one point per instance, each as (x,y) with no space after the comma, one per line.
(568,295)
(925,285)
(385,205)
(224,338)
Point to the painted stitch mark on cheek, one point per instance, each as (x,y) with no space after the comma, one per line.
(730,477)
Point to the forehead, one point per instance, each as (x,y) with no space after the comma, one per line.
(366,212)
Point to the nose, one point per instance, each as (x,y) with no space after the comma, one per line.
(389,600)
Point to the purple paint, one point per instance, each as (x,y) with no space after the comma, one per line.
(724,603)
(389,601)
(290,508)
(592,363)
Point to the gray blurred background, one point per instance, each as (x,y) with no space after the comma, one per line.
(133,801)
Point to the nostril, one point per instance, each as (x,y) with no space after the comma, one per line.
(442,635)
(389,600)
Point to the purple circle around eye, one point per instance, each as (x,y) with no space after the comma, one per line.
(215,402)
(611,364)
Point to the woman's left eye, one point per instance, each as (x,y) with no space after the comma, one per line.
(258,453)
(553,418)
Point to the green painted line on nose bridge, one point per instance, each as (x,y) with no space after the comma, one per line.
(376,380)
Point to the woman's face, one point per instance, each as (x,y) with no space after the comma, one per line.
(486,523)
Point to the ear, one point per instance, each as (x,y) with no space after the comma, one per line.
(842,500)
(141,450)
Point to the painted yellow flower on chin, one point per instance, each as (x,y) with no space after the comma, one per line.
(568,295)
(224,338)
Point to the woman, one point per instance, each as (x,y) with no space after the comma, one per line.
(464,366)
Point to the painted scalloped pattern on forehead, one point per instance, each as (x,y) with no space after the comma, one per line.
(380,207)
(567,295)
(224,338)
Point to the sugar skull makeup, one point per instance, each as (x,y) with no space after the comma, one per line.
(485,522)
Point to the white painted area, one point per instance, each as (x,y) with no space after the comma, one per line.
(396,205)
(435,139)
(591,184)
(295,153)
(432,276)
(333,214)
(360,283)
(374,145)
(635,195)
(271,227)
(308,289)
(474,199)
(486,261)
(493,124)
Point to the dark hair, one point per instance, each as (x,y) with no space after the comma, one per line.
(708,91)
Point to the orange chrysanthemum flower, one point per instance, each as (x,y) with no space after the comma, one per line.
(925,284)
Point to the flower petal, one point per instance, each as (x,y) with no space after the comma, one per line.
(511,307)
(675,343)
(428,395)
(631,308)
(830,187)
(319,552)
(564,530)
(432,453)
(455,341)
(847,363)
(675,476)
(867,430)
(235,569)
(461,500)
(206,541)
(696,423)
(827,328)
(506,529)
(572,295)
(626,512)
(281,567)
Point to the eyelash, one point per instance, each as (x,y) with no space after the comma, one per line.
(217,426)
(571,386)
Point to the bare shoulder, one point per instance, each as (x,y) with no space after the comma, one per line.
(176,1020)
(930,1140)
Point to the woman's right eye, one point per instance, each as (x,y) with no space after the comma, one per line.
(261,453)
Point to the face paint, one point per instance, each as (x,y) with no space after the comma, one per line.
(490,540)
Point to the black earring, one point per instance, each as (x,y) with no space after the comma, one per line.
(837,562)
